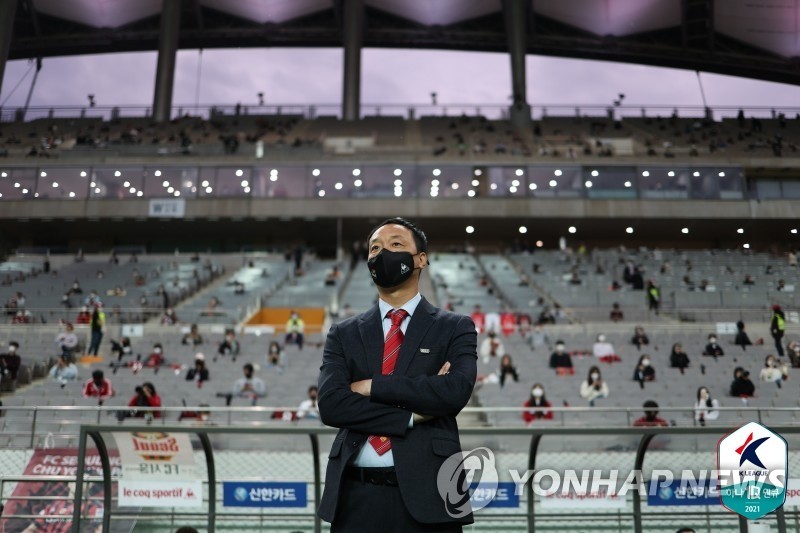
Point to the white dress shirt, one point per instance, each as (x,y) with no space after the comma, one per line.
(367,456)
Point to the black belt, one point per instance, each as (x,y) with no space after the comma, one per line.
(375,476)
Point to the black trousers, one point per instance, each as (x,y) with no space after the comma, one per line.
(364,508)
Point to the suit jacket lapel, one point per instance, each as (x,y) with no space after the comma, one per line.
(421,321)
(371,330)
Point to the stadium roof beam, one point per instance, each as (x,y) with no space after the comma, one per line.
(7,12)
(353,29)
(516,22)
(167,50)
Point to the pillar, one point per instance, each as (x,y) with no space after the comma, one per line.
(353,37)
(516,22)
(8,11)
(167,50)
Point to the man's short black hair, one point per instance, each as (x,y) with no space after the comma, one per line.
(97,374)
(248,366)
(420,239)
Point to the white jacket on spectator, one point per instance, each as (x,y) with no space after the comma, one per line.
(589,392)
(701,409)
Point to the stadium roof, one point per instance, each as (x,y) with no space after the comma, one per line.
(752,38)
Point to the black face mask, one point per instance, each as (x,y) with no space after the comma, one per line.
(390,269)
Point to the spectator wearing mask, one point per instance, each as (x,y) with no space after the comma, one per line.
(492,346)
(156,357)
(793,349)
(10,361)
(169,318)
(193,338)
(616,314)
(713,349)
(706,408)
(561,360)
(650,418)
(295,330)
(67,341)
(64,371)
(644,371)
(229,346)
(308,407)
(84,316)
(249,386)
(594,388)
(777,328)
(741,386)
(96,324)
(538,338)
(741,336)
(144,399)
(507,368)
(678,358)
(640,338)
(773,371)
(538,405)
(98,387)
(653,296)
(274,356)
(604,350)
(198,373)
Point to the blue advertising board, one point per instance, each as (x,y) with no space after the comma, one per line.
(683,492)
(502,496)
(264,494)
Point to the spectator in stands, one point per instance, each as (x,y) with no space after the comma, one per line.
(650,418)
(66,300)
(211,307)
(741,336)
(604,350)
(653,296)
(92,300)
(64,371)
(67,341)
(229,346)
(793,349)
(538,338)
(96,324)
(144,399)
(546,317)
(713,349)
(742,386)
(616,313)
(156,357)
(575,278)
(98,387)
(773,371)
(594,388)
(640,338)
(169,318)
(121,348)
(538,406)
(295,330)
(249,386)
(706,408)
(308,407)
(748,280)
(198,373)
(524,323)
(193,338)
(678,358)
(478,318)
(76,288)
(777,328)
(274,355)
(644,371)
(332,276)
(561,361)
(84,316)
(492,346)
(507,368)
(10,361)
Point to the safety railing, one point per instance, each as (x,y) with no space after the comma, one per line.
(645,437)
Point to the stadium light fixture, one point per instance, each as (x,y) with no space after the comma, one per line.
(646,173)
(178,193)
(470,229)
(315,172)
(696,174)
(793,231)
(746,246)
(117,173)
(43,174)
(532,186)
(16,185)
(247,190)
(338,186)
(132,190)
(140,193)
(157,173)
(1,195)
(539,244)
(273,177)
(671,173)
(515,183)
(321,193)
(588,184)
(437,172)
(512,189)
(740,231)
(83,173)
(398,183)
(435,183)
(628,184)
(478,172)
(434,193)
(595,173)
(475,183)
(92,184)
(4,174)
(721,174)
(519,172)
(97,190)
(245,183)
(36,195)
(557,172)
(239,172)
(629,230)
(24,191)
(398,172)
(471,194)
(126,184)
(171,190)
(523,229)
(273,172)
(454,186)
(209,190)
(573,229)
(358,183)
(55,184)
(356,172)
(194,189)
(204,184)
(398,192)
(493,186)
(71,194)
(685,231)
(553,183)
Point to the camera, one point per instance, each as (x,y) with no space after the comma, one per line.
(139,390)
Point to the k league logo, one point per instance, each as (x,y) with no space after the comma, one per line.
(752,467)
(463,472)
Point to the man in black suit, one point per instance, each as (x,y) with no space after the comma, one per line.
(393,380)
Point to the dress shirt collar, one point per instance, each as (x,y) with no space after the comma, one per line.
(410,306)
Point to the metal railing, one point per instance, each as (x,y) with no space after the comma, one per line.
(645,435)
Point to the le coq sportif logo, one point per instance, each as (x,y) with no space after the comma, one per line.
(463,472)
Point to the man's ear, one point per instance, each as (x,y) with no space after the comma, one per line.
(423,260)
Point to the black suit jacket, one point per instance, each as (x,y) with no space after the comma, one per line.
(354,351)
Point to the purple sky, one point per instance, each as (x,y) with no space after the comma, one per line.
(313,76)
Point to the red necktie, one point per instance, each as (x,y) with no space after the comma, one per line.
(391,351)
